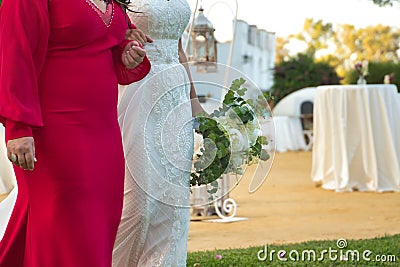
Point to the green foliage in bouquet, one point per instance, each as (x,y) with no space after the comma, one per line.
(217,152)
(216,149)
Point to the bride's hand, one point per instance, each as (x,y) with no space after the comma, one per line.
(133,55)
(138,35)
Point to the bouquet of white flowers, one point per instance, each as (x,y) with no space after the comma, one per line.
(229,138)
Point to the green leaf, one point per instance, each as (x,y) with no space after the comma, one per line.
(262,140)
(238,83)
(215,113)
(242,91)
(229,98)
(222,149)
(213,190)
(213,136)
(202,127)
(264,155)
(214,184)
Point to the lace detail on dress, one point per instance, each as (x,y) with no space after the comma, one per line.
(164,21)
(168,135)
(163,51)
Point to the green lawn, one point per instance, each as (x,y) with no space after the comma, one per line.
(384,251)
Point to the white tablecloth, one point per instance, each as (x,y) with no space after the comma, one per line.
(357,138)
(288,134)
(7,184)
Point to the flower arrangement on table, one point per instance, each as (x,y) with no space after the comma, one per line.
(229,138)
(388,79)
(362,70)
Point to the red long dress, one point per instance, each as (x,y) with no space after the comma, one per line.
(60,62)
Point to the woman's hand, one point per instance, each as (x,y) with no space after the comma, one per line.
(21,152)
(138,36)
(133,55)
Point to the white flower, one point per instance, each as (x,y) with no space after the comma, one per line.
(236,160)
(365,67)
(253,130)
(198,144)
(229,120)
(238,140)
(238,134)
(386,79)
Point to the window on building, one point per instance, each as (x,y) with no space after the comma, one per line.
(252,35)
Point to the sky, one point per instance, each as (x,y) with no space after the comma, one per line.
(286,17)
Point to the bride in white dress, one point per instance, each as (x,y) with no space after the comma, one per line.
(155,117)
(8,185)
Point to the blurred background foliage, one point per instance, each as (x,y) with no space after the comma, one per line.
(326,54)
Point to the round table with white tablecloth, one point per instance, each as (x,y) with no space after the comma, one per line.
(357,138)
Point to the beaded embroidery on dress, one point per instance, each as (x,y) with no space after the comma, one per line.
(105,16)
(155,119)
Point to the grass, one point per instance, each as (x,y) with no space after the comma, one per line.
(383,248)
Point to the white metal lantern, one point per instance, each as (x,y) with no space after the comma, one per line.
(204,45)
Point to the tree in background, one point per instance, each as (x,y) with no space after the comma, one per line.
(344,45)
(299,72)
(378,43)
(373,43)
(303,70)
(282,52)
(316,35)
(345,38)
(385,2)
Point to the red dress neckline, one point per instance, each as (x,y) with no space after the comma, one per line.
(106,16)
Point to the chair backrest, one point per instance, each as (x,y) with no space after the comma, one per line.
(306,107)
(306,115)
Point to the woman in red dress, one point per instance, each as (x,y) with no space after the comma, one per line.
(60,63)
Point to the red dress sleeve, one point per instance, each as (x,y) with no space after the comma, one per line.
(127,76)
(24,27)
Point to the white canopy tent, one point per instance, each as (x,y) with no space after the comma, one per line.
(290,104)
(289,131)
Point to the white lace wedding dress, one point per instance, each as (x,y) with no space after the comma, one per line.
(155,119)
(8,184)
